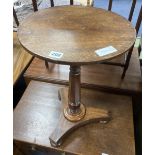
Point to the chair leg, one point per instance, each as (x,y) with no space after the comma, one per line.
(140,61)
(52,3)
(124,72)
(46,64)
(127,63)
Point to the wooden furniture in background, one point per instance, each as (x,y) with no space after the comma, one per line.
(52,3)
(35,8)
(21,59)
(38,112)
(77,42)
(125,63)
(15,17)
(96,76)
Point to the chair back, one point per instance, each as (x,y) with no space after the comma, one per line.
(35,8)
(52,3)
(15,17)
(139,20)
(131,12)
(138,23)
(110,5)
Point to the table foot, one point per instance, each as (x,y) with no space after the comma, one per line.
(75,117)
(64,126)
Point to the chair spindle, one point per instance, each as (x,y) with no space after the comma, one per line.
(110,5)
(132,9)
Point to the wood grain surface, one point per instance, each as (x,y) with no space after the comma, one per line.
(93,114)
(21,58)
(37,114)
(99,76)
(77,32)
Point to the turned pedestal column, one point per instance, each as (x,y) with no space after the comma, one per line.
(75,111)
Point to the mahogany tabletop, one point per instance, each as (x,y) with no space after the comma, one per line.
(75,32)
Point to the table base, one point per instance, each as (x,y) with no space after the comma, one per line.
(38,111)
(64,126)
(75,117)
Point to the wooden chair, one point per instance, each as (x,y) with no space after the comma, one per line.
(127,56)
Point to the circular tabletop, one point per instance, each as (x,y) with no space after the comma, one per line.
(72,34)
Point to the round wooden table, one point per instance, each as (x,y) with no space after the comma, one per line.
(71,35)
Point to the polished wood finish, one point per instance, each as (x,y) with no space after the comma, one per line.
(37,114)
(99,76)
(64,127)
(75,111)
(39,35)
(21,59)
(94,29)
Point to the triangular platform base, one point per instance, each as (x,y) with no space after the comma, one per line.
(64,127)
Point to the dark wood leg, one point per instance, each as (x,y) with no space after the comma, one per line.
(46,64)
(15,17)
(71,2)
(75,111)
(127,62)
(52,3)
(35,5)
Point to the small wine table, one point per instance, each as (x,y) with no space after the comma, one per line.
(70,35)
